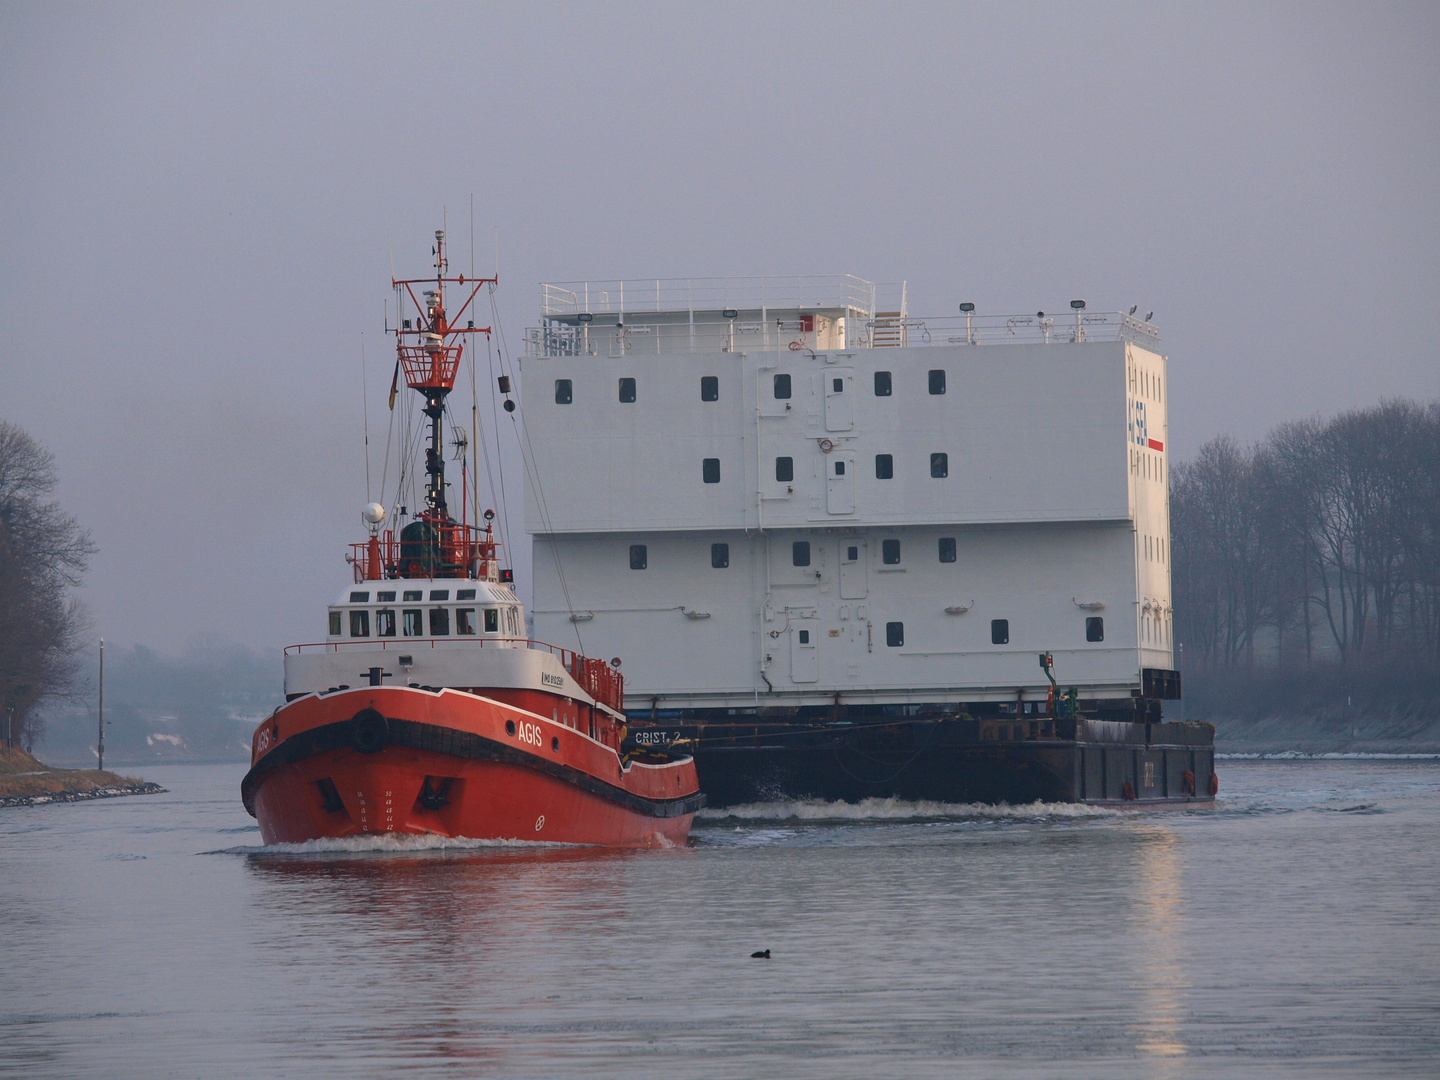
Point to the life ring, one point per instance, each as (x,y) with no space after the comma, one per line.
(1127,791)
(369,731)
(1187,782)
(1214,784)
(796,346)
(826,446)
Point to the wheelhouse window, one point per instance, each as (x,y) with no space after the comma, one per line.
(512,622)
(463,594)
(334,624)
(937,381)
(882,384)
(385,623)
(359,624)
(1095,628)
(800,553)
(947,549)
(890,552)
(784,469)
(385,597)
(709,388)
(999,631)
(627,391)
(939,466)
(492,620)
(413,624)
(439,621)
(884,467)
(894,634)
(413,595)
(782,387)
(439,594)
(359,597)
(465,620)
(710,470)
(564,393)
(639,557)
(719,556)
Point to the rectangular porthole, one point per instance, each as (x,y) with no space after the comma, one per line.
(939,466)
(784,469)
(639,557)
(884,467)
(782,387)
(359,624)
(800,553)
(709,388)
(839,466)
(947,549)
(894,634)
(804,637)
(999,631)
(1094,628)
(890,552)
(837,386)
(882,384)
(627,391)
(937,381)
(719,556)
(564,394)
(710,470)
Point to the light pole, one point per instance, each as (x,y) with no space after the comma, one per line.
(102,704)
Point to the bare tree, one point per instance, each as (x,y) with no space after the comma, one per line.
(43,554)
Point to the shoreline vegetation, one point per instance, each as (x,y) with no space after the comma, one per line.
(25,781)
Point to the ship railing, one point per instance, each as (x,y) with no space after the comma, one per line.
(638,295)
(600,680)
(710,332)
(453,550)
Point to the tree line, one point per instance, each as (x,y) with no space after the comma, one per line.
(43,554)
(1318,546)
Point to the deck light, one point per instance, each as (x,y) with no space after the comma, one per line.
(1077,305)
(731,313)
(585,316)
(967,307)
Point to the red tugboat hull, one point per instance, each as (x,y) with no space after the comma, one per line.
(459,764)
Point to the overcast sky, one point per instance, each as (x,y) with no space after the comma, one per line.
(201,204)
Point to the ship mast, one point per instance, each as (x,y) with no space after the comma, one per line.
(429,353)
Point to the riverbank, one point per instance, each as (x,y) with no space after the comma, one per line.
(25,781)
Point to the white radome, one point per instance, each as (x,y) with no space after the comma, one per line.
(373,513)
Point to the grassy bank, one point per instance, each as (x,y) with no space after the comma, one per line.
(25,780)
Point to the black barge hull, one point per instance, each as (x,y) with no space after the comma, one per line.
(956,759)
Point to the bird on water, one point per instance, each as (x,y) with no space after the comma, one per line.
(763,954)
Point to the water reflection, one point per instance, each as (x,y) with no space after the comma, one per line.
(1162,959)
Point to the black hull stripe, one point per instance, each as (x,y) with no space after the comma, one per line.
(413,735)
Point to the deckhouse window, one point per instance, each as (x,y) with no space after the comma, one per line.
(334,624)
(439,621)
(939,466)
(882,384)
(465,620)
(782,387)
(413,627)
(492,620)
(719,556)
(359,624)
(564,394)
(385,623)
(413,594)
(890,552)
(937,381)
(512,622)
(947,549)
(884,467)
(639,557)
(385,597)
(784,469)
(464,594)
(627,391)
(709,388)
(359,597)
(800,553)
(999,631)
(895,634)
(439,594)
(710,470)
(1095,628)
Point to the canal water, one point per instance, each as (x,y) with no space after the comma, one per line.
(1292,931)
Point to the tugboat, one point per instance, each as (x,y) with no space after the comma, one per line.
(427,709)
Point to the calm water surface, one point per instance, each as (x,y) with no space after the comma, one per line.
(1293,931)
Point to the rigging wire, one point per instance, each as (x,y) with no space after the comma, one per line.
(365,410)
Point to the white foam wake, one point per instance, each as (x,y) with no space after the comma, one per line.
(386,843)
(900,810)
